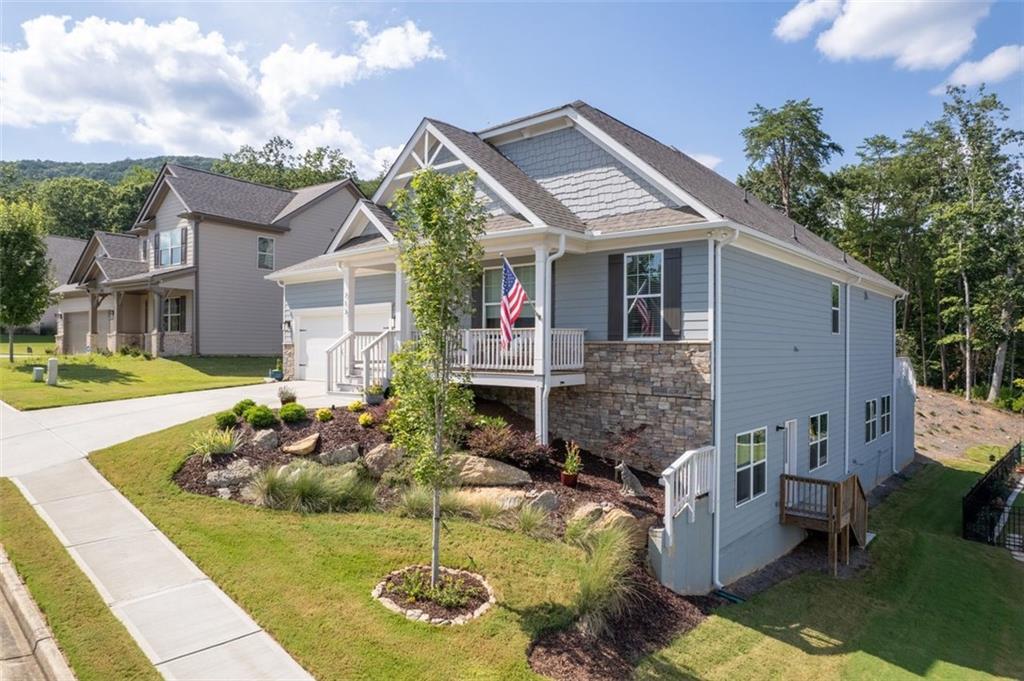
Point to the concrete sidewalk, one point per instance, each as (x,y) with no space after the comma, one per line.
(181,620)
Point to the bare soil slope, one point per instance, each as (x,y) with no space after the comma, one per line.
(947,426)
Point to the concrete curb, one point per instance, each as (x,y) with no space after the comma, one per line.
(32,623)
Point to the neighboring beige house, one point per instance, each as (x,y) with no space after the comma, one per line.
(63,253)
(188,278)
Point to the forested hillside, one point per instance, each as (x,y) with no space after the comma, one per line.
(112,171)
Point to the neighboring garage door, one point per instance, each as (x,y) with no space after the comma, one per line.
(317,332)
(76,327)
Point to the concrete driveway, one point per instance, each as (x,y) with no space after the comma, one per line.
(183,622)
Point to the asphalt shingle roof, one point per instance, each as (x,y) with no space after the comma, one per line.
(63,252)
(222,196)
(123,246)
(115,268)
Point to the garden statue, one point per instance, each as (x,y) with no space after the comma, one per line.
(631,486)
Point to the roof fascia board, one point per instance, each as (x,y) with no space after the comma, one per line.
(635,163)
(525,123)
(152,193)
(82,257)
(359,209)
(207,217)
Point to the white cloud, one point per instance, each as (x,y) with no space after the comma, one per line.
(915,34)
(998,65)
(178,89)
(798,22)
(709,160)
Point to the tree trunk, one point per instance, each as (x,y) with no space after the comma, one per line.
(435,551)
(924,355)
(998,366)
(968,353)
(10,343)
(942,347)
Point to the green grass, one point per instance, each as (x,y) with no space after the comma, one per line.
(985,454)
(22,343)
(96,378)
(307,579)
(932,605)
(96,644)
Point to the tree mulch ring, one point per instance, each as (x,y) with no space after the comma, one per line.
(343,429)
(391,593)
(659,616)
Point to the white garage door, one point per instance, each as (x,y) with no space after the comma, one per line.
(76,328)
(318,332)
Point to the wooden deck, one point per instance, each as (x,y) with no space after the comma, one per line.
(836,507)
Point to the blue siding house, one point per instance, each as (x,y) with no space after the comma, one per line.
(756,357)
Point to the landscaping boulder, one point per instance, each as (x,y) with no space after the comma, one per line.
(265,439)
(481,472)
(505,497)
(235,473)
(224,492)
(624,520)
(344,454)
(546,500)
(590,511)
(381,458)
(302,447)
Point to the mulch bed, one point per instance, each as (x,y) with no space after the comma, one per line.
(341,430)
(659,617)
(431,608)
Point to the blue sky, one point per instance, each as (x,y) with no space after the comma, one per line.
(145,79)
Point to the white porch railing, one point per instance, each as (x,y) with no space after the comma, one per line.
(482,350)
(566,349)
(376,359)
(690,476)
(345,357)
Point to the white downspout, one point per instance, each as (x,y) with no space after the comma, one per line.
(552,257)
(846,381)
(716,390)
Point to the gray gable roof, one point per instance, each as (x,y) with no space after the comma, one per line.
(511,177)
(116,268)
(63,253)
(123,246)
(716,192)
(222,196)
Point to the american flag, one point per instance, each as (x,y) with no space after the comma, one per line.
(513,295)
(640,305)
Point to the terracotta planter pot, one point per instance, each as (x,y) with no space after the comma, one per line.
(568,479)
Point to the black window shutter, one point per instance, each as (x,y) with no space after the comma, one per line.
(184,246)
(615,296)
(673,282)
(476,319)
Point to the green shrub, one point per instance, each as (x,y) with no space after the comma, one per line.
(260,416)
(533,521)
(226,419)
(241,407)
(450,592)
(293,412)
(483,421)
(324,414)
(606,587)
(366,419)
(209,443)
(356,406)
(286,395)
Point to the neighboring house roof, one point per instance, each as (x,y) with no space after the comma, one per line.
(527,190)
(307,195)
(151,275)
(382,214)
(63,252)
(123,246)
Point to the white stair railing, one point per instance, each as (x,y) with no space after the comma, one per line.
(376,359)
(690,476)
(336,361)
(344,357)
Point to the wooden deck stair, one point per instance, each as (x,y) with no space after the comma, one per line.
(836,507)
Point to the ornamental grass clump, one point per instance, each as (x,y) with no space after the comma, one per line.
(213,442)
(308,487)
(607,589)
(417,501)
(532,521)
(293,412)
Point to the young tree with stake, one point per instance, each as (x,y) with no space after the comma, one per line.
(439,220)
(25,280)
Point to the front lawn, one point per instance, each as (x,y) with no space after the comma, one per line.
(932,605)
(99,378)
(96,644)
(23,343)
(307,579)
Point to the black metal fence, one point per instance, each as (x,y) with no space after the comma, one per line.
(985,515)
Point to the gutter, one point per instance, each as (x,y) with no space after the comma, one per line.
(716,389)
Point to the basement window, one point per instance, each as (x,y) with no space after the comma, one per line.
(751,465)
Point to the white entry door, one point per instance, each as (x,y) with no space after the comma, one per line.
(790,449)
(316,334)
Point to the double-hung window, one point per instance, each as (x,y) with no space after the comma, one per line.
(870,420)
(171,251)
(492,296)
(265,252)
(817,436)
(751,464)
(886,417)
(835,307)
(643,295)
(174,314)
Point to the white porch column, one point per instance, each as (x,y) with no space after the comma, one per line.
(540,324)
(348,307)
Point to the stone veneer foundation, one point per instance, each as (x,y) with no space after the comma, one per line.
(664,386)
(288,361)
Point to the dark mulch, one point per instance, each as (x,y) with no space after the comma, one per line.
(659,616)
(470,584)
(341,430)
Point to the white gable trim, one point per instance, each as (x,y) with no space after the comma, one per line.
(346,227)
(635,163)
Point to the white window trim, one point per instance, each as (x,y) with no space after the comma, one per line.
(170,249)
(884,416)
(837,308)
(273,252)
(872,420)
(484,303)
(737,469)
(819,440)
(165,316)
(625,299)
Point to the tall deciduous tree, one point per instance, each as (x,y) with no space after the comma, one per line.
(439,221)
(74,206)
(127,197)
(25,280)
(277,164)
(788,152)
